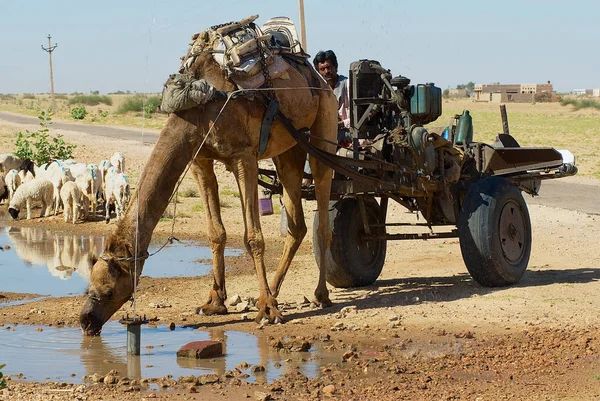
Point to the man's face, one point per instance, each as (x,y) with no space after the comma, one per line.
(328,71)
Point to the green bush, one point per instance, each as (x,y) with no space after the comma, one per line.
(2,381)
(580,104)
(140,103)
(78,113)
(91,100)
(61,96)
(39,147)
(28,96)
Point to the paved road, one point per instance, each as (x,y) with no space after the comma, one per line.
(556,193)
(150,136)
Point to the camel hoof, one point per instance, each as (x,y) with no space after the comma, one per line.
(210,310)
(321,304)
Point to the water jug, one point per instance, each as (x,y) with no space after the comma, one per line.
(265,203)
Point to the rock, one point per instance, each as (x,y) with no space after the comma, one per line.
(234,300)
(208,379)
(346,309)
(201,350)
(257,369)
(110,379)
(243,366)
(172,326)
(328,391)
(260,396)
(243,306)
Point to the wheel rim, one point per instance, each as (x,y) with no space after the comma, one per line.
(513,232)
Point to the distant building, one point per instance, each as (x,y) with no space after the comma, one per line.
(583,92)
(596,93)
(457,93)
(510,92)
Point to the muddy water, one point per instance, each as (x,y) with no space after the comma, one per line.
(41,261)
(63,354)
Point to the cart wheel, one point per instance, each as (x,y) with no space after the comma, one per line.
(495,232)
(351,260)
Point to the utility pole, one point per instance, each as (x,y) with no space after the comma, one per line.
(302,25)
(50,49)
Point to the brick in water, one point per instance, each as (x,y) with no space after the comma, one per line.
(201,350)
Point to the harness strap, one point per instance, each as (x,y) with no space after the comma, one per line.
(265,129)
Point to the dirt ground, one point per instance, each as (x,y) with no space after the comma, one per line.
(424,330)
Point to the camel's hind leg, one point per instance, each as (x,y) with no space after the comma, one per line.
(246,173)
(324,127)
(290,166)
(203,173)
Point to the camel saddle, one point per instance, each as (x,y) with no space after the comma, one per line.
(246,51)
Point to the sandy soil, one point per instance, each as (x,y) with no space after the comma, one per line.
(424,330)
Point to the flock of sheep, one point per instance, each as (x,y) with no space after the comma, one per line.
(77,186)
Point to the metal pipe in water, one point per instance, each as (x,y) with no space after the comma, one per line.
(134,338)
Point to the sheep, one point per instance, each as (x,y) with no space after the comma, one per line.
(103,167)
(89,183)
(58,173)
(117,193)
(8,162)
(3,189)
(76,168)
(35,190)
(12,181)
(71,197)
(118,162)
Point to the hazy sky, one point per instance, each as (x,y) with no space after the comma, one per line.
(134,45)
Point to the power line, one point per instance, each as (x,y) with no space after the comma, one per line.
(50,49)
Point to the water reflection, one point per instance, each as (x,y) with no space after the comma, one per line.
(63,254)
(81,355)
(68,259)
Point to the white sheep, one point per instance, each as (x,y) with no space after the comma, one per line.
(37,190)
(89,183)
(103,168)
(58,173)
(13,180)
(9,162)
(118,162)
(118,193)
(76,168)
(71,197)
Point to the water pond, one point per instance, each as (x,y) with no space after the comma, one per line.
(40,261)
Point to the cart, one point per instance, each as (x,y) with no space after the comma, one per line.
(461,188)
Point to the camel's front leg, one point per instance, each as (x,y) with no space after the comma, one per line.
(246,173)
(203,173)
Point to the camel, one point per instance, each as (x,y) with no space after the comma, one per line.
(233,140)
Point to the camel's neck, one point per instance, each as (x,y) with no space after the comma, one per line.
(175,147)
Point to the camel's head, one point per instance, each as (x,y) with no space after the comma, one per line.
(111,285)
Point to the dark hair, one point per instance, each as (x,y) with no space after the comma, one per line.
(324,56)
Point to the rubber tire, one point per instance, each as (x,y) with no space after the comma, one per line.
(350,260)
(494,230)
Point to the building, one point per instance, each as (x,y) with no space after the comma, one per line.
(457,93)
(510,92)
(596,92)
(584,92)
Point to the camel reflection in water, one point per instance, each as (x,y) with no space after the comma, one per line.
(61,253)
